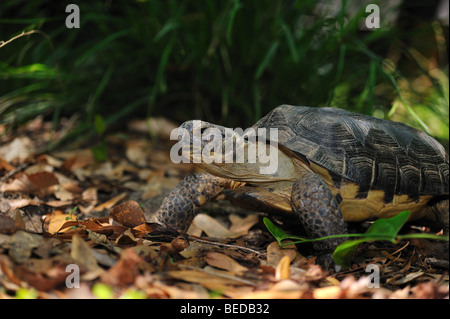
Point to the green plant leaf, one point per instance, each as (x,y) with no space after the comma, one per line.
(236,6)
(387,228)
(99,152)
(26,293)
(382,229)
(267,59)
(102,291)
(280,234)
(343,253)
(99,124)
(133,294)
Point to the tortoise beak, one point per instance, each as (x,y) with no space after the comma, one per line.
(190,134)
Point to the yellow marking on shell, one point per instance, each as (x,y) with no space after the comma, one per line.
(399,199)
(376,196)
(323,172)
(372,207)
(348,190)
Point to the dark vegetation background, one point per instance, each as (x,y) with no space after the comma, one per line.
(227,62)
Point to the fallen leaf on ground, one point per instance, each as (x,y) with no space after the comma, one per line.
(275,253)
(57,220)
(22,202)
(239,224)
(125,271)
(282,269)
(284,289)
(400,280)
(18,150)
(205,278)
(331,292)
(21,245)
(32,183)
(225,262)
(213,228)
(137,151)
(129,214)
(5,165)
(110,203)
(7,225)
(83,257)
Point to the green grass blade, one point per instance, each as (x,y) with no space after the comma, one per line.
(102,45)
(267,59)
(237,5)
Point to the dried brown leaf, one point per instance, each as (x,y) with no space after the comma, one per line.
(9,278)
(159,126)
(284,289)
(179,290)
(22,202)
(282,270)
(77,159)
(43,274)
(331,292)
(60,222)
(20,149)
(48,159)
(225,262)
(239,224)
(431,290)
(137,151)
(58,203)
(110,203)
(21,184)
(32,183)
(215,229)
(82,255)
(125,271)
(129,214)
(90,195)
(5,165)
(275,253)
(68,164)
(21,245)
(63,195)
(43,179)
(205,278)
(7,225)
(403,279)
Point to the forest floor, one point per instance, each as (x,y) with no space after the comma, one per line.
(73,227)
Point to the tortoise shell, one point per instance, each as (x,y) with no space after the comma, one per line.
(371,153)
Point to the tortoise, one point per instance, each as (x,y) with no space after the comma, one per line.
(333,166)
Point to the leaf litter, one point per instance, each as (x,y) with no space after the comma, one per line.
(63,208)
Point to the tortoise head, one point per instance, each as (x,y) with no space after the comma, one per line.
(234,154)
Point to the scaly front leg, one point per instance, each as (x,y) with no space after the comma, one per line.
(182,204)
(318,211)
